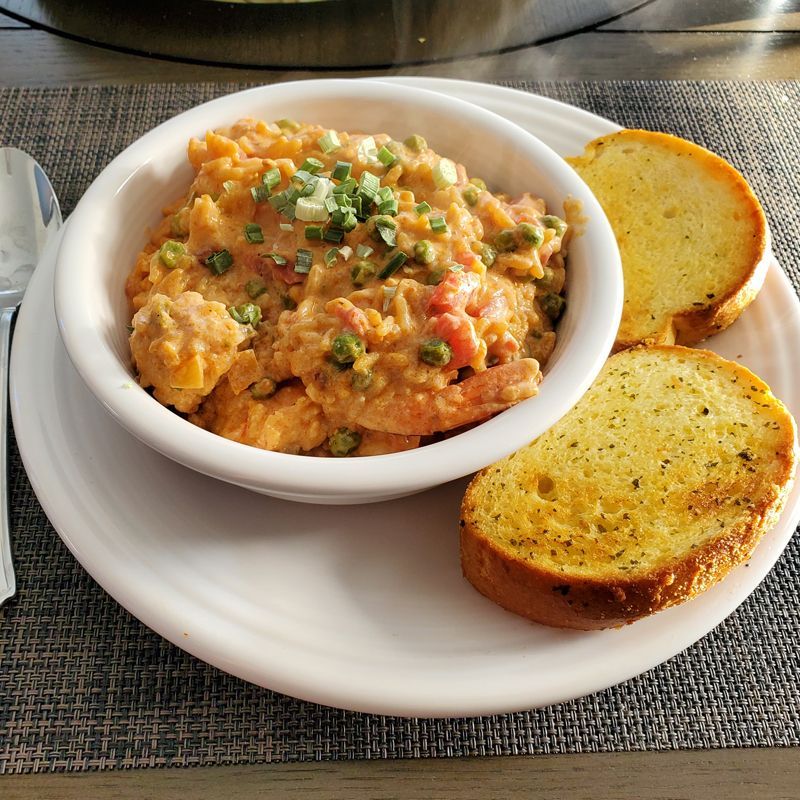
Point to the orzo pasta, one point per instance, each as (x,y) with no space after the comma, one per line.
(327,293)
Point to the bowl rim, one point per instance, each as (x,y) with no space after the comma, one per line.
(305,476)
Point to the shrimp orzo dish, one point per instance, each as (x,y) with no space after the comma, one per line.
(327,293)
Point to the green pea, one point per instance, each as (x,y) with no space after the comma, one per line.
(529,235)
(505,241)
(556,223)
(361,381)
(362,272)
(470,194)
(343,441)
(552,305)
(434,277)
(171,252)
(424,252)
(488,254)
(288,124)
(436,352)
(416,143)
(546,281)
(246,314)
(479,183)
(346,348)
(263,389)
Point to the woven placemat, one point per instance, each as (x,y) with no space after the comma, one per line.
(83,685)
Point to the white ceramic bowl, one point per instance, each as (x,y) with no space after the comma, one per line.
(107,230)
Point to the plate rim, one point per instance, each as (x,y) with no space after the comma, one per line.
(403,704)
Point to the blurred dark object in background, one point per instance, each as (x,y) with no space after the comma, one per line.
(316,35)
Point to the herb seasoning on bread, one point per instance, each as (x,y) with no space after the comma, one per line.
(691,233)
(660,480)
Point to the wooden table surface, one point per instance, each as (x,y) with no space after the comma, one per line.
(669,39)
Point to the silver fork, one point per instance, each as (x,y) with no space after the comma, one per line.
(29,215)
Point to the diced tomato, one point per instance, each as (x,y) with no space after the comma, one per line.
(505,348)
(267,268)
(351,316)
(496,307)
(466,257)
(454,292)
(458,332)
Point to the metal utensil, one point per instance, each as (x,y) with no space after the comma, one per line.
(29,214)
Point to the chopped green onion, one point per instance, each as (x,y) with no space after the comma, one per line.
(382,229)
(438,224)
(277,201)
(416,143)
(386,156)
(309,209)
(357,206)
(308,189)
(288,124)
(345,252)
(246,314)
(313,232)
(362,271)
(367,150)
(364,250)
(368,185)
(312,165)
(347,186)
(436,352)
(289,211)
(423,208)
(334,235)
(424,252)
(329,142)
(389,207)
(260,194)
(170,253)
(229,186)
(303,261)
(330,256)
(470,195)
(383,194)
(253,233)
(286,226)
(219,262)
(388,295)
(302,177)
(344,218)
(322,189)
(444,173)
(343,441)
(276,257)
(332,203)
(255,288)
(271,178)
(393,264)
(341,172)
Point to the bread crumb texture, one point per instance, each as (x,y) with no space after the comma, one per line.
(660,480)
(690,232)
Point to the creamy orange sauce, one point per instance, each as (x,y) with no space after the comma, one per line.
(370,327)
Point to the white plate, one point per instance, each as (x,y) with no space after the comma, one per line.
(361,607)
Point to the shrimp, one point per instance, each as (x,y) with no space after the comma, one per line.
(473,400)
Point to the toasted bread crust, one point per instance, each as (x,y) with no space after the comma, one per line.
(531,589)
(693,322)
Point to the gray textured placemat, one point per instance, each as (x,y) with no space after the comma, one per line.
(83,685)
